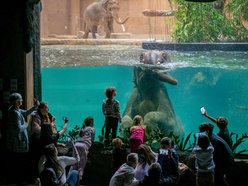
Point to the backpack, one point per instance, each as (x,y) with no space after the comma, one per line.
(48,177)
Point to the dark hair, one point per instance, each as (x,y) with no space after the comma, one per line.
(154,172)
(89,121)
(109,92)
(13,97)
(50,153)
(42,105)
(165,141)
(221,122)
(46,135)
(132,158)
(206,127)
(203,141)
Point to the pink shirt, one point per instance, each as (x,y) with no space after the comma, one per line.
(137,132)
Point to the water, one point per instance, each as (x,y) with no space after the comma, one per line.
(216,80)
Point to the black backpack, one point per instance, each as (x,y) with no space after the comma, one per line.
(48,177)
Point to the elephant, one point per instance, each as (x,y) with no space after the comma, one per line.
(149,97)
(101,14)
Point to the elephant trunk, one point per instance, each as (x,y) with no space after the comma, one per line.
(165,78)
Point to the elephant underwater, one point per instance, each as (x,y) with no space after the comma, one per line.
(149,97)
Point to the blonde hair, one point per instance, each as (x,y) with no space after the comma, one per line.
(117,143)
(137,120)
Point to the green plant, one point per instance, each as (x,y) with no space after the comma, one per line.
(204,22)
(182,144)
(72,133)
(237,141)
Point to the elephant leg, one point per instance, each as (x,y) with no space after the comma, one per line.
(126,123)
(107,30)
(86,33)
(162,121)
(93,31)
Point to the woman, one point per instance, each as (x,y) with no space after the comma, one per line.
(59,163)
(145,158)
(17,137)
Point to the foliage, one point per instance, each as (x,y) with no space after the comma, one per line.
(181,143)
(239,8)
(206,22)
(238,140)
(72,133)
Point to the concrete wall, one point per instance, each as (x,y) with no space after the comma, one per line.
(65,17)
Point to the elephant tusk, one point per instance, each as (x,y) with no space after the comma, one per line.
(119,20)
(123,28)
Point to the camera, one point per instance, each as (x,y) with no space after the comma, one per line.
(203,110)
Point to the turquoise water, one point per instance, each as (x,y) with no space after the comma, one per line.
(216,80)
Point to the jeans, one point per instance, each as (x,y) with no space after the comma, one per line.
(72,179)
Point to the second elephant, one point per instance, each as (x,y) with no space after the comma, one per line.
(101,14)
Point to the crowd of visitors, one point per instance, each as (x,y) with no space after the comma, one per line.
(135,164)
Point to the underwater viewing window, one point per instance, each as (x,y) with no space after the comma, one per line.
(74,78)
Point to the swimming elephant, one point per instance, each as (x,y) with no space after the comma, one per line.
(149,97)
(101,14)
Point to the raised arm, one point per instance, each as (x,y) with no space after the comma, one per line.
(63,130)
(209,117)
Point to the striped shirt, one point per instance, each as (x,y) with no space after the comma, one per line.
(111,108)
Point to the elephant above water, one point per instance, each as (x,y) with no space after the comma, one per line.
(101,14)
(149,96)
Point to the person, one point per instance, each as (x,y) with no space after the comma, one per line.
(168,160)
(38,118)
(204,162)
(50,159)
(42,115)
(119,154)
(17,141)
(145,158)
(111,111)
(221,123)
(222,155)
(154,176)
(137,133)
(83,143)
(16,131)
(47,135)
(125,174)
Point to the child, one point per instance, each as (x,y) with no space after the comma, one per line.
(204,162)
(83,143)
(125,174)
(111,111)
(145,158)
(119,154)
(221,123)
(168,160)
(137,133)
(153,178)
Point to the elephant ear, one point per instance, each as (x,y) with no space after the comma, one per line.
(165,56)
(142,57)
(105,3)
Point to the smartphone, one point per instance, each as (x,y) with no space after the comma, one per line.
(203,110)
